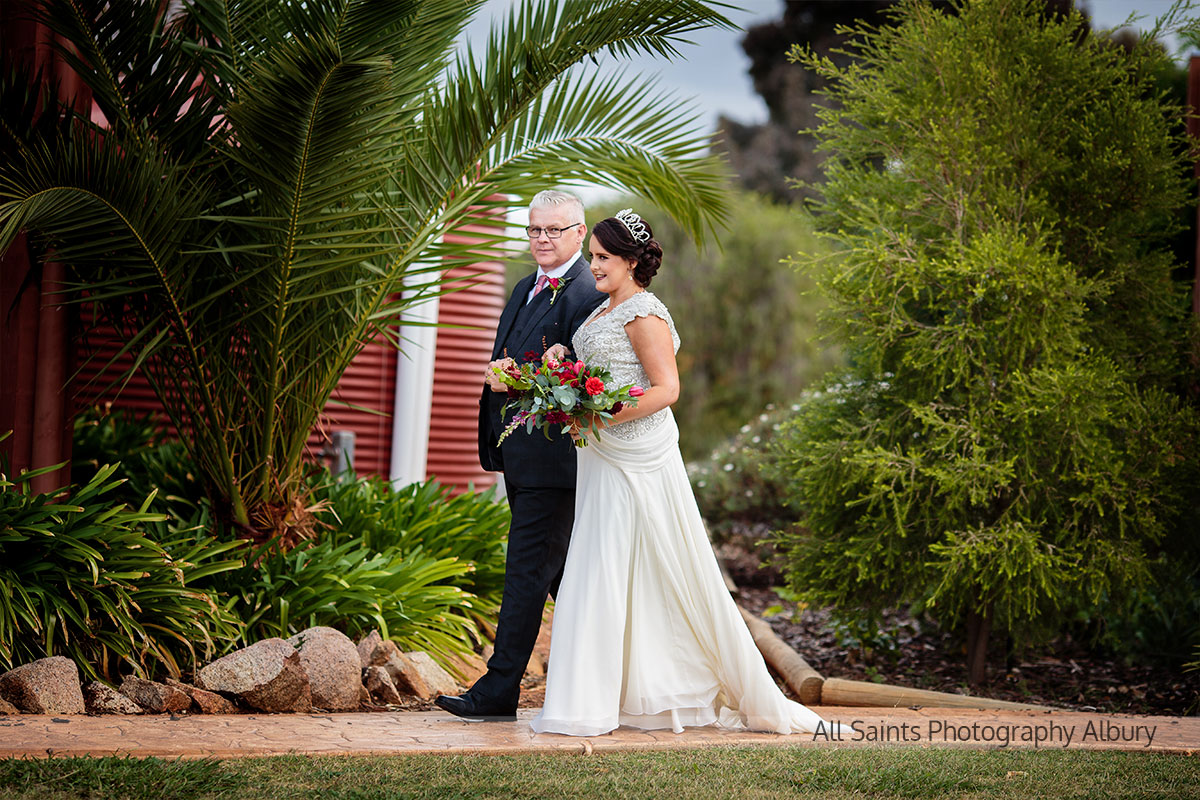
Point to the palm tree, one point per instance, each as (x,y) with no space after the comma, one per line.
(268,172)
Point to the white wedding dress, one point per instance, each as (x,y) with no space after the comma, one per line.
(645,633)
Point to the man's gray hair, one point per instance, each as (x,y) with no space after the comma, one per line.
(552,198)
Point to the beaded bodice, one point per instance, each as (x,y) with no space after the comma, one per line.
(603,340)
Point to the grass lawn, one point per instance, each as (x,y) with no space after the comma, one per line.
(760,774)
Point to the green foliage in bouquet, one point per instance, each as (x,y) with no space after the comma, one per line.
(81,576)
(1007,450)
(551,396)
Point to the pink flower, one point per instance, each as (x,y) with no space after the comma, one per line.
(594,386)
(636,391)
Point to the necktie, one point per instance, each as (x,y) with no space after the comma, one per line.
(537,287)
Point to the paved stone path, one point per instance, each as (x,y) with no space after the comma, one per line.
(397,733)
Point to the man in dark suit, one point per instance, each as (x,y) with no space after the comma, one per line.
(545,308)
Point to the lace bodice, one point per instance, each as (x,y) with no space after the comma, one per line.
(603,340)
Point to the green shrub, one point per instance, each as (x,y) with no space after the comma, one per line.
(1009,450)
(737,500)
(423,567)
(409,596)
(425,518)
(80,577)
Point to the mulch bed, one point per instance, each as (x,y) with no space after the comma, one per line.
(913,653)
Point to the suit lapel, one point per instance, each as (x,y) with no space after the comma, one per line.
(541,304)
(507,317)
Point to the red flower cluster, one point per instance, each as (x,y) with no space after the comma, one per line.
(594,386)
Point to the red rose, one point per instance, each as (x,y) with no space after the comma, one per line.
(594,386)
(531,355)
(553,283)
(617,406)
(558,417)
(636,391)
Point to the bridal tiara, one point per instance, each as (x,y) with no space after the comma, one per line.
(633,223)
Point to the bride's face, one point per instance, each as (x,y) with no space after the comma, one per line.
(612,272)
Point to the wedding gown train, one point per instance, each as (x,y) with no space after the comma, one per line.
(645,633)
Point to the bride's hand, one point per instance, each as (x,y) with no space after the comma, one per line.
(556,353)
(580,426)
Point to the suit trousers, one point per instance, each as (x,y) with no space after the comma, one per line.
(538,537)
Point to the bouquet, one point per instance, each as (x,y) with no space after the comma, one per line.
(550,394)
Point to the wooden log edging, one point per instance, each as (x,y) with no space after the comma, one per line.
(804,680)
(840,692)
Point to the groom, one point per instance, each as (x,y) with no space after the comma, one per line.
(545,308)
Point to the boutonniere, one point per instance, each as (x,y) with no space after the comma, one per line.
(556,285)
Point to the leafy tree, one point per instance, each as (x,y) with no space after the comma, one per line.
(268,172)
(1008,448)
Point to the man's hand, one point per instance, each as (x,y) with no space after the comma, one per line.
(492,379)
(556,353)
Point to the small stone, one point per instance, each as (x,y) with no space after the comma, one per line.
(46,686)
(333,666)
(100,698)
(364,697)
(380,686)
(203,701)
(7,707)
(157,698)
(436,678)
(267,675)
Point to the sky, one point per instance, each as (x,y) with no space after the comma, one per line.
(713,71)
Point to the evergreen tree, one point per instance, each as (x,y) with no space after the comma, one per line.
(1008,449)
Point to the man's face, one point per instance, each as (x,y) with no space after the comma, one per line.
(550,253)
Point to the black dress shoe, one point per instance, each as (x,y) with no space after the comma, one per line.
(472,711)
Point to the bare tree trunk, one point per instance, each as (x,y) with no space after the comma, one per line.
(979,626)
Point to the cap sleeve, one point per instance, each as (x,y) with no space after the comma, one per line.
(645,304)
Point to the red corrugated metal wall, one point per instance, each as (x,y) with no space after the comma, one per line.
(369,383)
(462,355)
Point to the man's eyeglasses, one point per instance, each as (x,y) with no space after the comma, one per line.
(553,233)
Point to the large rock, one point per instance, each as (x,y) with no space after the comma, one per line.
(405,676)
(100,698)
(436,678)
(46,686)
(333,666)
(157,698)
(380,687)
(467,668)
(369,654)
(204,702)
(267,675)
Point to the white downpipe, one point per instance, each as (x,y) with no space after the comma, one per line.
(414,389)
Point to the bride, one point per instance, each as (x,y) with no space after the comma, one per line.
(645,633)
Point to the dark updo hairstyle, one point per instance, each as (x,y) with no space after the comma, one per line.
(616,239)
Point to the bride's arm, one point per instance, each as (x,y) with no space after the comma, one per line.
(651,340)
